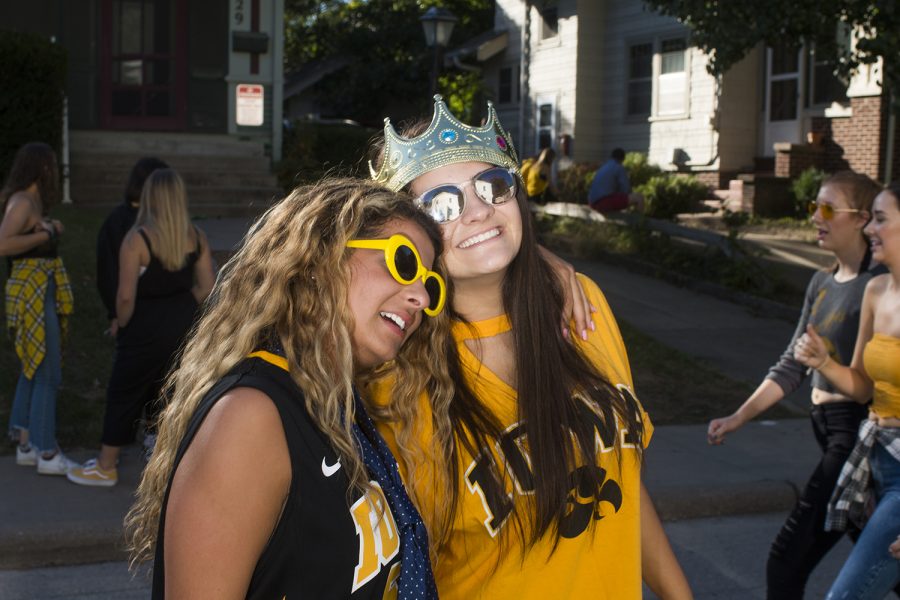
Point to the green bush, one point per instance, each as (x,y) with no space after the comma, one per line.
(312,150)
(669,195)
(640,171)
(805,188)
(573,183)
(32,82)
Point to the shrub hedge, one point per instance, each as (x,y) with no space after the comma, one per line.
(640,170)
(669,195)
(805,188)
(573,182)
(32,85)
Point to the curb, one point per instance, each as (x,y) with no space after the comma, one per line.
(31,550)
(679,503)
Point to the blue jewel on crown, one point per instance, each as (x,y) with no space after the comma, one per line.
(448,136)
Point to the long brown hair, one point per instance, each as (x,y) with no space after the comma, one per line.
(554,382)
(34,162)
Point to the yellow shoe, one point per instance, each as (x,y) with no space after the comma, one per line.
(91,474)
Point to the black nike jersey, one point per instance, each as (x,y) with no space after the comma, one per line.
(323,546)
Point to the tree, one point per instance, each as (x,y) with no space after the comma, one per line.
(729,29)
(389,63)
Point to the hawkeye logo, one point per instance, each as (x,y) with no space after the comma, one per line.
(483,477)
(379,541)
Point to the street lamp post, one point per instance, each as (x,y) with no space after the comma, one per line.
(438,26)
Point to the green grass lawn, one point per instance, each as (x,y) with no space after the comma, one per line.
(669,257)
(673,387)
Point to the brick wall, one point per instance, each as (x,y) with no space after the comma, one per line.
(793,159)
(895,173)
(855,142)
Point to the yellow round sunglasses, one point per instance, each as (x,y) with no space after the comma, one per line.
(405,265)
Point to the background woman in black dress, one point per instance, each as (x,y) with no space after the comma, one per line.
(165,271)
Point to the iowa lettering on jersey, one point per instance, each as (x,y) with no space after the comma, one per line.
(379,541)
(484,477)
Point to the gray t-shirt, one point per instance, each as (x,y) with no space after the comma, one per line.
(833,308)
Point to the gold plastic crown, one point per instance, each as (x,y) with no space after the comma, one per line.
(446,141)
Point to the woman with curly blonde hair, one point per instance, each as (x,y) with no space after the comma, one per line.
(269,479)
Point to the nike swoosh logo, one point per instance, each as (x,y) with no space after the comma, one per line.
(329,470)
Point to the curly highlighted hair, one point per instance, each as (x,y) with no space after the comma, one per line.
(290,278)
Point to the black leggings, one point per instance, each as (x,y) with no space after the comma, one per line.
(803,541)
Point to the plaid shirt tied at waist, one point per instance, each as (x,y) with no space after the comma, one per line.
(853,493)
(26,290)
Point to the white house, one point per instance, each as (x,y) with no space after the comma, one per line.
(613,73)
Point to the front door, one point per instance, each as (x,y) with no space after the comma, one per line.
(784,72)
(143,59)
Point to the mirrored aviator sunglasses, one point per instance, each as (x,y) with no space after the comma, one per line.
(446,203)
(405,266)
(827,211)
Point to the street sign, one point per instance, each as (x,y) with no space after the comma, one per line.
(249,105)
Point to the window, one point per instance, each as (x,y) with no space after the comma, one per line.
(549,22)
(658,77)
(672,91)
(784,88)
(824,85)
(640,80)
(546,122)
(508,85)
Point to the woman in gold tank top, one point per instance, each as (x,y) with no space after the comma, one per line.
(873,468)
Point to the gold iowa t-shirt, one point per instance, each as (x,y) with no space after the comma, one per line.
(598,555)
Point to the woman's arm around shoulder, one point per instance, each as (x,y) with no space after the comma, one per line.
(576,308)
(226,498)
(204,275)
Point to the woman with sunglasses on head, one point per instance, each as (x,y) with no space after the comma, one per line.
(831,305)
(872,472)
(530,478)
(269,479)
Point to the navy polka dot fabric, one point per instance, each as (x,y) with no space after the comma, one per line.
(416,579)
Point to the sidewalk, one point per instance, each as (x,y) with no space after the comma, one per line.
(49,521)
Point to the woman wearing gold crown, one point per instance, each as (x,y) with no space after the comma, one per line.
(530,478)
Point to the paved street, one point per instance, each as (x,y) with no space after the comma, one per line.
(724,559)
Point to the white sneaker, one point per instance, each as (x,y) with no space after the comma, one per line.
(27,458)
(57,465)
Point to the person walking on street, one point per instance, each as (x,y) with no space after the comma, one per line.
(38,302)
(832,305)
(611,189)
(113,231)
(165,272)
(871,474)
